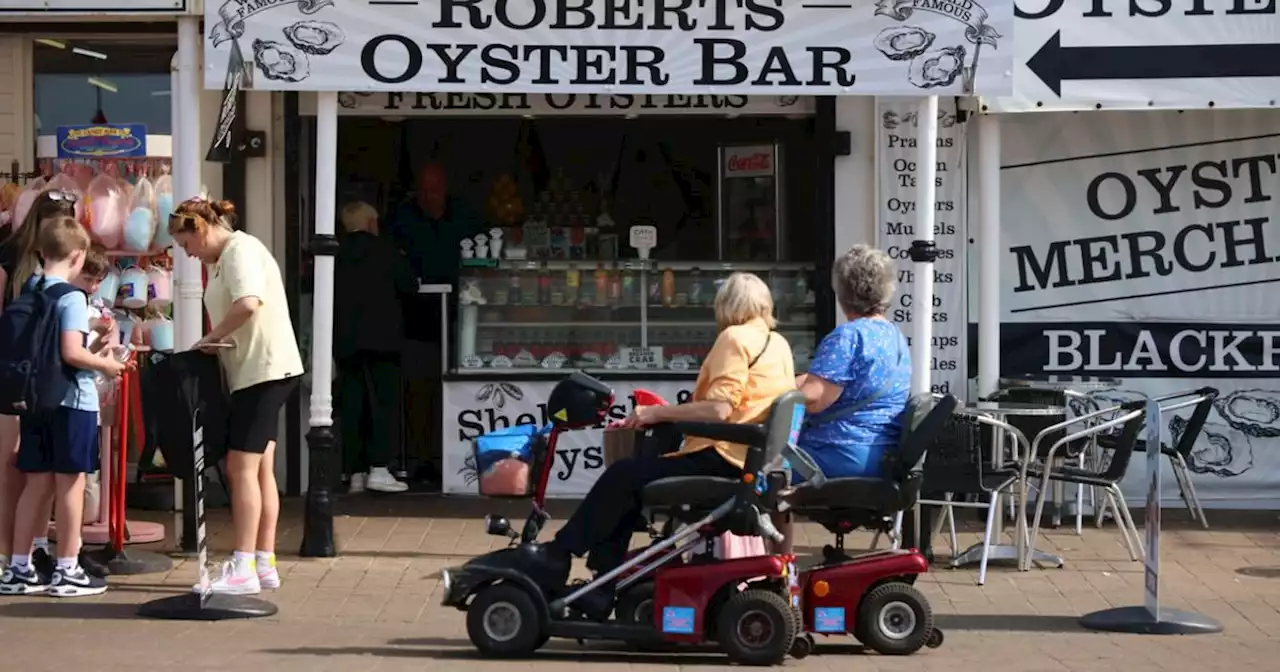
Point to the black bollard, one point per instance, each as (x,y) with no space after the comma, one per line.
(317,523)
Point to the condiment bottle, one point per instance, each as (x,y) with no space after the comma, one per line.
(668,287)
(513,292)
(602,284)
(615,286)
(544,287)
(628,286)
(572,280)
(696,290)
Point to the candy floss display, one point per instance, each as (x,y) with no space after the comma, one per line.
(140,225)
(163,189)
(107,209)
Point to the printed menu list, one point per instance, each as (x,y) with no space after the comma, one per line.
(896,170)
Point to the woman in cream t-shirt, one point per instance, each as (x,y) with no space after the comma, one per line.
(249,311)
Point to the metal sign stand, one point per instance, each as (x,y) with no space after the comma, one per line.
(204,605)
(1151,618)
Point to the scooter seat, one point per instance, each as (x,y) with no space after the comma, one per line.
(698,492)
(874,494)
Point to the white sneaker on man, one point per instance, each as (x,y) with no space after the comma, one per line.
(381,480)
(356,486)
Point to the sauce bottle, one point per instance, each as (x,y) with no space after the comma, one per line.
(572,280)
(668,288)
(628,286)
(697,293)
(602,284)
(544,287)
(615,286)
(513,291)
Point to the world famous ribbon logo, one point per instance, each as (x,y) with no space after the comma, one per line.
(968,12)
(234,13)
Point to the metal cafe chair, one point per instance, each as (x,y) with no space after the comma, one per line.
(1185,434)
(1129,420)
(957,465)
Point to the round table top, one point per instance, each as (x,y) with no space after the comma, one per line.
(1007,408)
(1037,381)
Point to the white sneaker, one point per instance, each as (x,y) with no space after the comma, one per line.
(233,582)
(356,486)
(381,480)
(269,577)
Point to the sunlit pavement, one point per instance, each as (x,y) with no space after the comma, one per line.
(376,607)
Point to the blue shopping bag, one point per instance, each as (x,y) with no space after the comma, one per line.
(512,442)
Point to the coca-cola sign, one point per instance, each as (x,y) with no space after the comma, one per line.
(754,161)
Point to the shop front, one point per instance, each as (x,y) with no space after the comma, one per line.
(1136,223)
(609,185)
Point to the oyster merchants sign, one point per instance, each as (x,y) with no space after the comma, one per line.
(1139,54)
(1144,247)
(713,47)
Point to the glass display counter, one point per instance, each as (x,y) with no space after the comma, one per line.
(617,317)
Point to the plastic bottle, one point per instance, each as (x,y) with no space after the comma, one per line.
(602,284)
(668,288)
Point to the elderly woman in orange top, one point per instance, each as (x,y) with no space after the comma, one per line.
(747,368)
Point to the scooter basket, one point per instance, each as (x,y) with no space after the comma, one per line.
(508,460)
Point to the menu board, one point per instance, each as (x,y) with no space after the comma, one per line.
(896,191)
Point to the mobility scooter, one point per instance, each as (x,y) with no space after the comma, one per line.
(746,605)
(870,595)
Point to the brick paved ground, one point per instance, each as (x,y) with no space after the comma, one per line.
(376,607)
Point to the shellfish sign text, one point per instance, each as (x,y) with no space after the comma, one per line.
(793,47)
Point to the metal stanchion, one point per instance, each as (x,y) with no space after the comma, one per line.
(204,605)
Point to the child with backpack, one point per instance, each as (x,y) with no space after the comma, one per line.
(47,378)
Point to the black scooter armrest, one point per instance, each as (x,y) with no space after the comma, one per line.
(751,435)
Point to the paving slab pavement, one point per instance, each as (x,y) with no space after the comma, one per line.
(376,606)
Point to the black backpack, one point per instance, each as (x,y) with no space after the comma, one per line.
(33,377)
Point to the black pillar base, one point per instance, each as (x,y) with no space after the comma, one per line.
(317,525)
(217,607)
(1138,621)
(131,561)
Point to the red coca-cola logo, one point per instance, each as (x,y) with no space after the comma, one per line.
(760,161)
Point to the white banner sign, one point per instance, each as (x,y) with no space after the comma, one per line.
(1138,54)
(1143,247)
(403,104)
(895,229)
(712,47)
(475,408)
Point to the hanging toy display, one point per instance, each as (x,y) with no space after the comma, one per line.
(24,202)
(164,207)
(133,288)
(159,288)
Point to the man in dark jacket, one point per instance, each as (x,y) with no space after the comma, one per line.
(372,278)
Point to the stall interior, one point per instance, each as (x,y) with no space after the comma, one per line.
(541,211)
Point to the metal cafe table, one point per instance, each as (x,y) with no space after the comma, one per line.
(1000,551)
(1058,391)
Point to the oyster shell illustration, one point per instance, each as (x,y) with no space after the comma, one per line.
(280,61)
(1220,450)
(315,37)
(901,43)
(1256,413)
(937,68)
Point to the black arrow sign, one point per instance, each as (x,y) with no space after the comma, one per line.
(1054,63)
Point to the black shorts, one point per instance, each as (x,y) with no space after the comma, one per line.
(255,414)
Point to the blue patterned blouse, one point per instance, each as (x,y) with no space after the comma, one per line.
(864,356)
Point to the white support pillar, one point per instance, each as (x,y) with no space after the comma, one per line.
(988,254)
(188,311)
(317,536)
(922,248)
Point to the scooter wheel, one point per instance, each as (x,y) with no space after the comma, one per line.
(895,619)
(803,647)
(935,639)
(503,621)
(756,627)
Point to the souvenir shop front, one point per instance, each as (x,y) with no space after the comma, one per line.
(604,188)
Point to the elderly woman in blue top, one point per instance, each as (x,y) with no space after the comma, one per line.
(860,378)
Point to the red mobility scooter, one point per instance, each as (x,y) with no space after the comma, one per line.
(743,605)
(871,595)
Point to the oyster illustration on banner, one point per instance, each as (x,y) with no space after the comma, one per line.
(280,61)
(1220,450)
(901,43)
(1256,413)
(1096,401)
(937,68)
(315,37)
